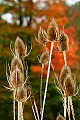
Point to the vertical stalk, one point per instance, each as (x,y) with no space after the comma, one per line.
(20,111)
(14,92)
(33,110)
(72,109)
(46,86)
(65,100)
(68,108)
(41,89)
(36,110)
(64,54)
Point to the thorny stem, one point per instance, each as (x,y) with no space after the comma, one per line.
(41,90)
(36,110)
(14,92)
(65,100)
(46,86)
(20,111)
(68,109)
(64,54)
(72,109)
(33,109)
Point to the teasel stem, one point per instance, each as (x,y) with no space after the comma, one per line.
(36,110)
(14,93)
(33,109)
(72,109)
(68,109)
(41,89)
(46,86)
(65,99)
(20,111)
(65,107)
(64,54)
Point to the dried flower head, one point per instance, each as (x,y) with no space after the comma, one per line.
(20,48)
(16,62)
(64,72)
(53,31)
(63,42)
(42,36)
(69,86)
(44,58)
(23,94)
(60,117)
(16,78)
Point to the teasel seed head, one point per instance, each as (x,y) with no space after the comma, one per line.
(16,62)
(20,48)
(63,42)
(42,36)
(52,31)
(69,86)
(60,117)
(23,94)
(16,78)
(64,72)
(44,58)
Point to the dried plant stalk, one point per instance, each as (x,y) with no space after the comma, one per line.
(20,111)
(41,90)
(72,109)
(46,86)
(14,93)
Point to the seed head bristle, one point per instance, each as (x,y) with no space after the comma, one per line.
(64,71)
(42,36)
(60,117)
(69,86)
(16,78)
(53,31)
(16,62)
(20,48)
(63,42)
(44,58)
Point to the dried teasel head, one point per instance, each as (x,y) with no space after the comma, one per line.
(16,62)
(53,31)
(69,85)
(63,42)
(23,94)
(60,117)
(20,48)
(42,36)
(44,58)
(16,78)
(64,72)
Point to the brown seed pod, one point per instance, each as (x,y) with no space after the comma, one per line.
(69,86)
(63,42)
(16,78)
(64,71)
(42,36)
(16,62)
(44,58)
(23,94)
(20,48)
(60,117)
(53,31)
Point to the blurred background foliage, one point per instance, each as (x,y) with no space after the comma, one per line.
(26,18)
